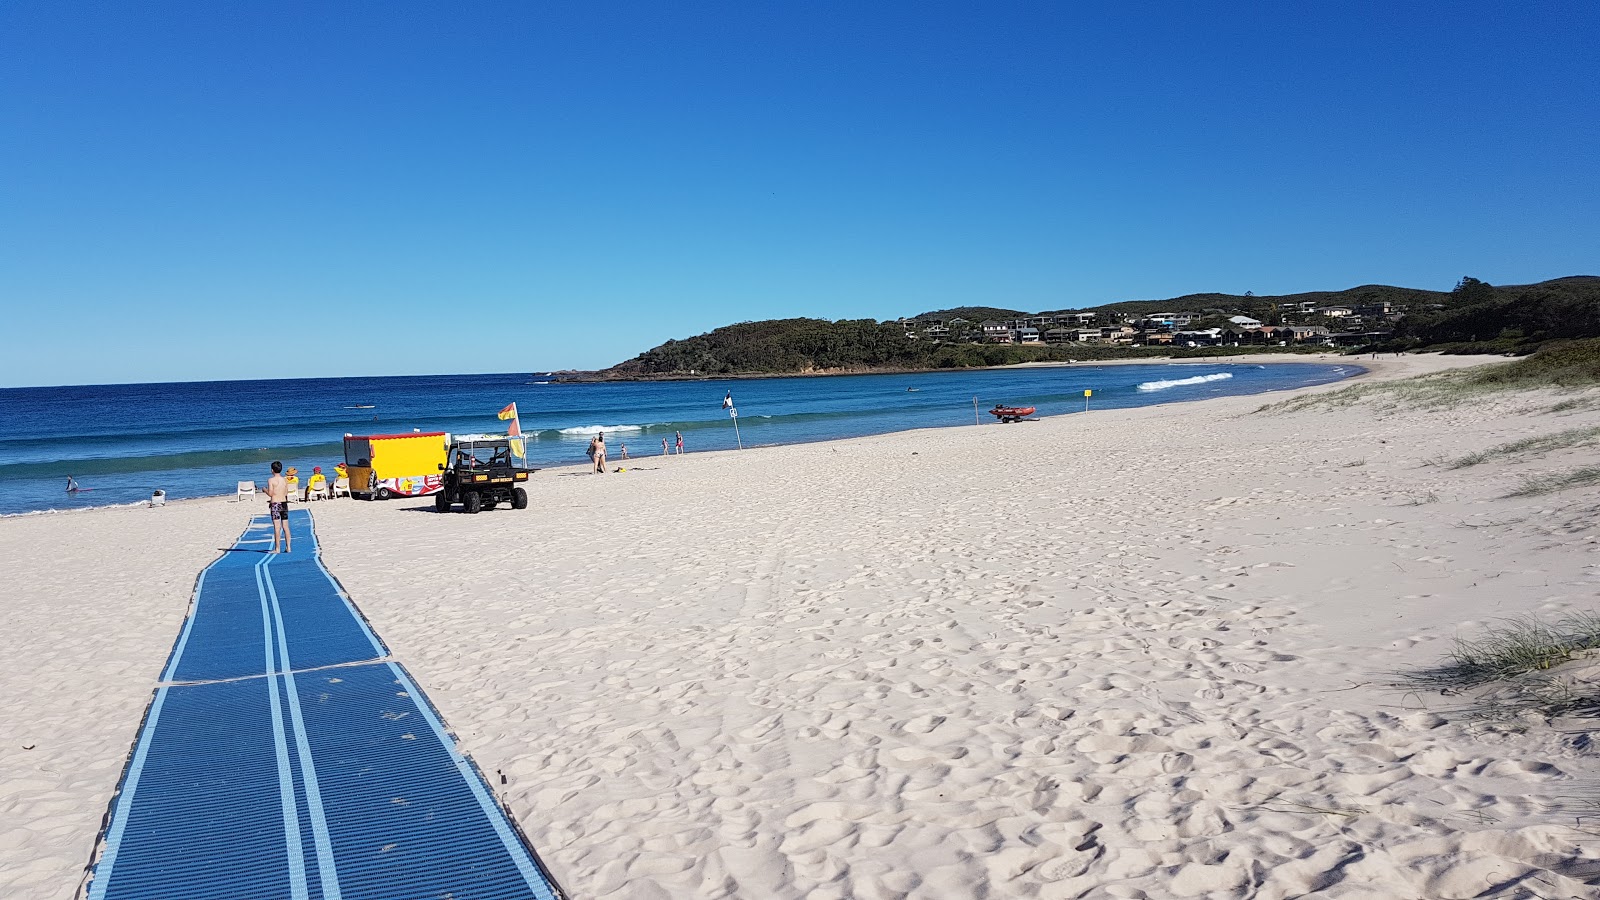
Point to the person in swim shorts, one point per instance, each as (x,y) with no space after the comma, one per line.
(278,507)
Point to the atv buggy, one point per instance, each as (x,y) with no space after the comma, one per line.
(482,471)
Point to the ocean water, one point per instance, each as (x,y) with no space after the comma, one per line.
(195,439)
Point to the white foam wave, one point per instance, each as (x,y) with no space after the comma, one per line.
(596,429)
(1180,382)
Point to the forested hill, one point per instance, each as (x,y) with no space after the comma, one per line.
(1475,317)
(781,345)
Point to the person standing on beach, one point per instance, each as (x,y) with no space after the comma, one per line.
(622,451)
(278,507)
(663,446)
(597,452)
(680,442)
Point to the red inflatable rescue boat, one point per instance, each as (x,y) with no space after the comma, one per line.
(1011,413)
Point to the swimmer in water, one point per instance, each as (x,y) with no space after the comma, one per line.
(72,486)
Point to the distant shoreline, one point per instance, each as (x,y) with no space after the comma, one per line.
(592,377)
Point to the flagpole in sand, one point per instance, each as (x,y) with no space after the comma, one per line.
(733,413)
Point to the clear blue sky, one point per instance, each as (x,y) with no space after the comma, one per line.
(199,190)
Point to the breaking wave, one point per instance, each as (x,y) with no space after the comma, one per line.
(1180,382)
(596,429)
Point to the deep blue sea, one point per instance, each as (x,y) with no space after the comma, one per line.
(194,439)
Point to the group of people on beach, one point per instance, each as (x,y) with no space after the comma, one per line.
(597,450)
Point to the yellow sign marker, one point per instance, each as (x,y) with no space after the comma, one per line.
(1087,393)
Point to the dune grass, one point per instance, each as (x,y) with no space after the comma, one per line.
(1575,404)
(1511,669)
(1570,365)
(1522,645)
(1561,440)
(1549,484)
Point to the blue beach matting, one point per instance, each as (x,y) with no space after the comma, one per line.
(284,755)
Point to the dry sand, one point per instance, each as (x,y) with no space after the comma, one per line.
(1139,653)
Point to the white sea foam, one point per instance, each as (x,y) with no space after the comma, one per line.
(1180,382)
(596,429)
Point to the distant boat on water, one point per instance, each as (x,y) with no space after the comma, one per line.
(363,406)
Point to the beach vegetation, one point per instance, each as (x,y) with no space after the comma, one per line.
(1573,437)
(1575,404)
(1515,667)
(1561,481)
(1561,365)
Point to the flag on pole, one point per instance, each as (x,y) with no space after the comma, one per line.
(727,402)
(515,429)
(510,412)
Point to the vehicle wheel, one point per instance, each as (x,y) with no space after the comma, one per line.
(441,502)
(383,493)
(472,502)
(519,499)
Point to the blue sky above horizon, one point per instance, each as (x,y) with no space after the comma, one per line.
(197,191)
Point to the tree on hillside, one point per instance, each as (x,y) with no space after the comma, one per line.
(1470,290)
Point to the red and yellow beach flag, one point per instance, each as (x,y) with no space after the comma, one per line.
(510,412)
(515,429)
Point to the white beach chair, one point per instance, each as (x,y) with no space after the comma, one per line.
(317,493)
(294,490)
(158,498)
(341,487)
(246,489)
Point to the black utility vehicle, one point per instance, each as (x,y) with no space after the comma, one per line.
(482,470)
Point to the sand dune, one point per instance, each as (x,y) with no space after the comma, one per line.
(1139,653)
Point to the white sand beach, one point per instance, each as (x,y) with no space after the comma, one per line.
(1139,653)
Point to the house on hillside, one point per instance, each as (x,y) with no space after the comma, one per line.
(1168,321)
(1244,322)
(1336,312)
(1381,309)
(997,332)
(1027,335)
(1302,334)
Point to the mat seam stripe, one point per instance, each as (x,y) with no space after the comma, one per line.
(327,871)
(298,886)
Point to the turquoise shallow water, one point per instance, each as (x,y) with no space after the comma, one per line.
(197,439)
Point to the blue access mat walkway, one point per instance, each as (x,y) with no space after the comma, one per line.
(286,757)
